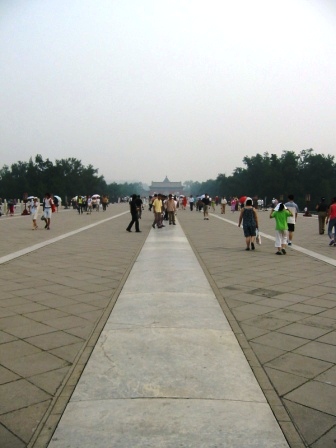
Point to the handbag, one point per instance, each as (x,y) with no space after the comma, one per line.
(43,218)
(258,237)
(53,208)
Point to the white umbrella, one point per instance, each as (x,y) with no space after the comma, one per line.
(95,196)
(57,197)
(31,197)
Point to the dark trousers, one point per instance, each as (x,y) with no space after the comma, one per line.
(135,220)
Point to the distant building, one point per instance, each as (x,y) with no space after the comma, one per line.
(166,187)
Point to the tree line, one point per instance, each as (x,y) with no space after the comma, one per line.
(66,178)
(307,175)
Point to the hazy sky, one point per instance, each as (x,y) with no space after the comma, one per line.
(142,89)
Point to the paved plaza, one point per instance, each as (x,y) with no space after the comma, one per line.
(169,337)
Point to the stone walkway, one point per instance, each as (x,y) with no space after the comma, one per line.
(56,300)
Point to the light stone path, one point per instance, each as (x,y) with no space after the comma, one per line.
(55,301)
(167,370)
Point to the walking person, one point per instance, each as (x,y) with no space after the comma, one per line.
(322,210)
(249,217)
(135,216)
(206,204)
(157,210)
(34,208)
(331,220)
(291,220)
(280,214)
(47,204)
(139,205)
(223,205)
(191,202)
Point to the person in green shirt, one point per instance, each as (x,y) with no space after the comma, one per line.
(280,214)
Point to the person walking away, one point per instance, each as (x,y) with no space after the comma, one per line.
(206,204)
(191,202)
(291,220)
(134,213)
(322,210)
(138,201)
(213,204)
(56,202)
(47,203)
(249,217)
(331,220)
(34,208)
(184,202)
(171,209)
(280,214)
(223,205)
(10,207)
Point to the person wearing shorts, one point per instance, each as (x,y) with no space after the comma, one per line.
(291,220)
(47,203)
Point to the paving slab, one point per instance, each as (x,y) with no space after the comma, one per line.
(146,361)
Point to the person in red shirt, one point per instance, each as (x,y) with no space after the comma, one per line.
(331,218)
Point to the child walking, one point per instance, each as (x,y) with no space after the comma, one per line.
(280,214)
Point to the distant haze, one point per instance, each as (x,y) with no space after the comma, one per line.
(145,89)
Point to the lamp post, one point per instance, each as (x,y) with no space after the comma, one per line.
(25,200)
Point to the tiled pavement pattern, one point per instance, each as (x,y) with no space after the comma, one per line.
(54,302)
(53,305)
(283,312)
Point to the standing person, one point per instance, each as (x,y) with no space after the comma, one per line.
(331,218)
(47,203)
(233,205)
(157,210)
(223,205)
(134,213)
(34,208)
(171,209)
(249,217)
(322,210)
(291,220)
(206,204)
(191,202)
(56,202)
(280,213)
(213,204)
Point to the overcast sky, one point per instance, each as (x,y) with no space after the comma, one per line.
(142,89)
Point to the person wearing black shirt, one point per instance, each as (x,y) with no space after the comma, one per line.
(138,201)
(206,203)
(134,213)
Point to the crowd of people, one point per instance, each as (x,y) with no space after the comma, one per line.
(165,207)
(285,215)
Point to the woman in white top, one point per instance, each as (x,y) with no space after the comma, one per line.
(47,203)
(34,208)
